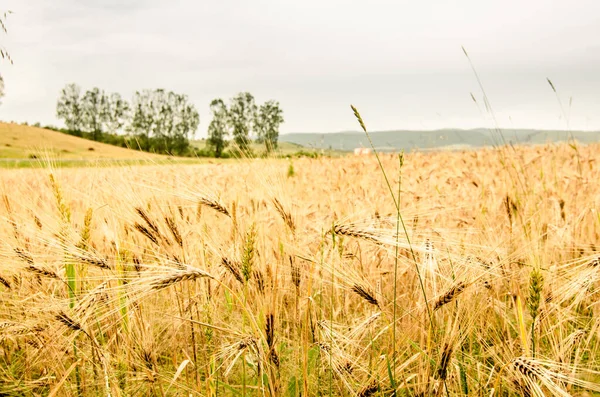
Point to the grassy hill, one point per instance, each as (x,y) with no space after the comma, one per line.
(28,146)
(408,139)
(26,142)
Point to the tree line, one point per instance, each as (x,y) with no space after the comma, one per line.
(156,120)
(164,122)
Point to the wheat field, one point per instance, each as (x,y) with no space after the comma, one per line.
(466,273)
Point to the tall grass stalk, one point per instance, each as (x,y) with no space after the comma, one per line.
(69,265)
(398,214)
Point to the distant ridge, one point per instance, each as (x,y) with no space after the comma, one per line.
(434,139)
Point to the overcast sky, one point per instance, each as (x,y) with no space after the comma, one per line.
(399,62)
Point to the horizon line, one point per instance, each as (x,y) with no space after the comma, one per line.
(445,129)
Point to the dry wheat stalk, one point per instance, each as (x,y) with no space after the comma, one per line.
(7,324)
(234,268)
(179,276)
(174,230)
(24,256)
(11,328)
(5,282)
(295,273)
(450,295)
(98,293)
(85,233)
(442,371)
(365,293)
(552,375)
(63,208)
(287,218)
(152,232)
(42,272)
(214,204)
(151,224)
(146,232)
(68,321)
(88,259)
(38,222)
(260,281)
(347,230)
(369,390)
(11,220)
(270,333)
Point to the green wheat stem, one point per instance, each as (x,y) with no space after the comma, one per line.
(70,270)
(399,215)
(331,325)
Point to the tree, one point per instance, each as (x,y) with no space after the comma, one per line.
(185,122)
(218,128)
(117,113)
(242,113)
(3,53)
(268,120)
(70,108)
(164,120)
(174,120)
(95,112)
(143,119)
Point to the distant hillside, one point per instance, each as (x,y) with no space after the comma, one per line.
(408,139)
(23,142)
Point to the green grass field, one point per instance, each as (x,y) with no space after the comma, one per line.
(23,146)
(284,148)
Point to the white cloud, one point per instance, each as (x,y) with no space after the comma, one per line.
(399,60)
